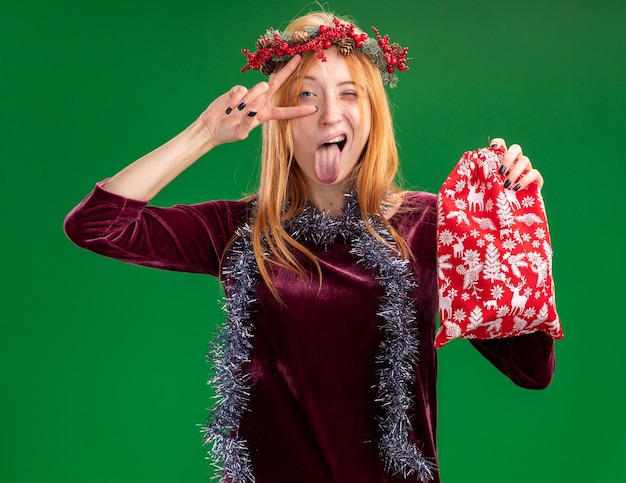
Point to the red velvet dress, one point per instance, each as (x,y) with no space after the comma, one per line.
(312,411)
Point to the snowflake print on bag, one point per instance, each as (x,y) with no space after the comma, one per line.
(494,258)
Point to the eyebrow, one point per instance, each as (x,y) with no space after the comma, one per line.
(314,79)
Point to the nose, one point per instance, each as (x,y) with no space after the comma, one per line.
(329,110)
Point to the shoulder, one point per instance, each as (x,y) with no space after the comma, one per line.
(222,208)
(416,219)
(416,205)
(419,199)
(228,214)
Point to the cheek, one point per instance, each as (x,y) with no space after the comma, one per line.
(362,121)
(300,142)
(367,119)
(301,128)
(363,130)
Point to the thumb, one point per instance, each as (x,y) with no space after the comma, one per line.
(497,143)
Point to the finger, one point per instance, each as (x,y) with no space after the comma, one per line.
(257,91)
(245,102)
(237,93)
(292,112)
(510,157)
(533,176)
(278,78)
(521,166)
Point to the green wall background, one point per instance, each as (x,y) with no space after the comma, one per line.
(103,375)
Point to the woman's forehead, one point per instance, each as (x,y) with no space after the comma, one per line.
(334,67)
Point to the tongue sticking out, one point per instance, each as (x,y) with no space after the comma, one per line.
(327,163)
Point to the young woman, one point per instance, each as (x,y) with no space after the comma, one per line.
(325,368)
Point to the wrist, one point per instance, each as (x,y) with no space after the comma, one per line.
(199,138)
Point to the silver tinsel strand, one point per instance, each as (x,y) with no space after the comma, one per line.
(231,351)
(397,356)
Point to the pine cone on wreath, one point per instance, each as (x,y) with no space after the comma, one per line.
(301,36)
(268,67)
(346,45)
(262,42)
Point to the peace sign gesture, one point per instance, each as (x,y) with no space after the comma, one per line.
(234,114)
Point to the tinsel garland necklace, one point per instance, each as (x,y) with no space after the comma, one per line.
(396,359)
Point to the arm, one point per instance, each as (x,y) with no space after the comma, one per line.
(114,220)
(528,360)
(181,238)
(229,118)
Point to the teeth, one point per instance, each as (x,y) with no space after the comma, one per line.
(337,139)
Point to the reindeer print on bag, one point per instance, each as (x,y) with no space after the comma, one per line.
(494,257)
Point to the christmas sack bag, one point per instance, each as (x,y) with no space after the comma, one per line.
(494,258)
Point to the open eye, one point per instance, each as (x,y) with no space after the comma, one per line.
(305,94)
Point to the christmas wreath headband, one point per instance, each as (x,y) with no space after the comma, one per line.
(276,46)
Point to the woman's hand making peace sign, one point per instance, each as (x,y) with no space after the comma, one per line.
(234,114)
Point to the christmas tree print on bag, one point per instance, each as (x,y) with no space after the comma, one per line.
(494,258)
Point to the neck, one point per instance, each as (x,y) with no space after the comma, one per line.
(331,199)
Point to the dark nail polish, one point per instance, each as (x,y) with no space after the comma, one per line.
(517,187)
(229,110)
(493,145)
(252,114)
(241,106)
(507,183)
(502,169)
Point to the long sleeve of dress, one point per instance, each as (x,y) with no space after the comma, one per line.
(528,360)
(186,238)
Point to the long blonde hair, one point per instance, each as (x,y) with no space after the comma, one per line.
(282,193)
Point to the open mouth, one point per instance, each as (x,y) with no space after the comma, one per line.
(340,141)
